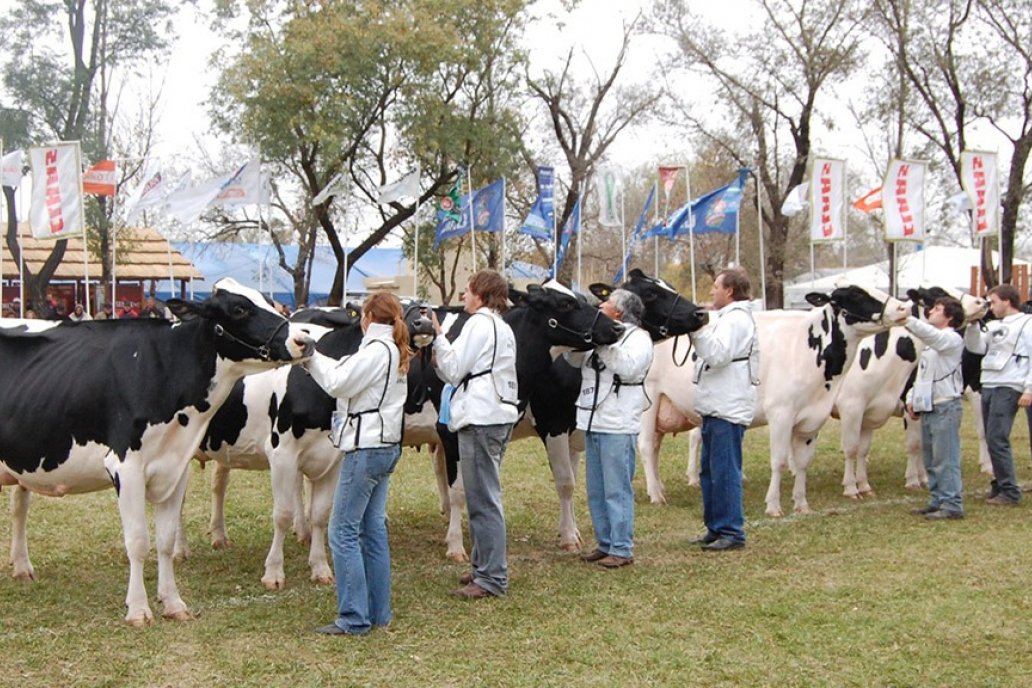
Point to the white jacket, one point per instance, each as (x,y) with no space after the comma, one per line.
(939,367)
(481,363)
(1011,340)
(728,361)
(369,390)
(604,405)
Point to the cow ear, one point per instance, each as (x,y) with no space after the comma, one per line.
(601,291)
(817,299)
(517,297)
(636,273)
(914,295)
(184,310)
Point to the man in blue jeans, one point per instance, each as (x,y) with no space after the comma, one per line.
(1006,384)
(726,371)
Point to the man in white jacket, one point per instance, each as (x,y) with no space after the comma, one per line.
(1006,384)
(481,365)
(935,395)
(726,372)
(609,410)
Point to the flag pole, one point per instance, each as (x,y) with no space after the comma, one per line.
(580,235)
(691,226)
(759,231)
(85,246)
(655,239)
(114,234)
(623,235)
(845,223)
(504,267)
(472,230)
(555,237)
(415,252)
(21,255)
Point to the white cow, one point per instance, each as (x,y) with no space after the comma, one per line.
(803,360)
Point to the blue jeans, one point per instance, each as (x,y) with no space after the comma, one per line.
(609,472)
(358,539)
(999,406)
(940,447)
(720,472)
(481,448)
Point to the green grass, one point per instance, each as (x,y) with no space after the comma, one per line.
(857,594)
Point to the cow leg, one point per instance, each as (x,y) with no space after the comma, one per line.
(181,551)
(851,432)
(284,491)
(453,539)
(649,442)
(303,513)
(321,504)
(562,464)
(217,524)
(441,474)
(132,507)
(694,445)
(22,567)
(985,464)
(166,526)
(916,477)
(780,447)
(863,457)
(803,449)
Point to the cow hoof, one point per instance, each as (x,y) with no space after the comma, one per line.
(273,583)
(141,620)
(180,615)
(457,557)
(855,497)
(868,494)
(804,509)
(221,543)
(570,547)
(25,576)
(913,488)
(657,499)
(181,555)
(323,579)
(775,513)
(694,482)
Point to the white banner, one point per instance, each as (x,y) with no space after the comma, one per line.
(797,200)
(406,187)
(149,194)
(980,177)
(828,200)
(608,187)
(903,201)
(188,202)
(247,186)
(56,209)
(11,169)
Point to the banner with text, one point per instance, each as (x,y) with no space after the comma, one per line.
(980,177)
(903,200)
(56,209)
(828,200)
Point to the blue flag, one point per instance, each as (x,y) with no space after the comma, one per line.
(717,211)
(571,227)
(637,236)
(540,222)
(488,213)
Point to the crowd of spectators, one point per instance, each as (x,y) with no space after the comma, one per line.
(56,308)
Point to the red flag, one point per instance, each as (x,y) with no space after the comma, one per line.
(667,178)
(99,180)
(869,201)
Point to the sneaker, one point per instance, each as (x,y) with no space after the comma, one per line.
(924,511)
(943,515)
(594,555)
(704,539)
(615,562)
(1000,500)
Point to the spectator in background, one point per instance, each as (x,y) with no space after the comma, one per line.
(150,309)
(105,313)
(79,314)
(8,312)
(30,314)
(60,311)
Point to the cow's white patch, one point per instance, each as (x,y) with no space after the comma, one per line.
(232,286)
(30,325)
(449,322)
(555,285)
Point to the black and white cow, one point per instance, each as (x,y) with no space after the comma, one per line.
(804,356)
(873,390)
(280,421)
(127,402)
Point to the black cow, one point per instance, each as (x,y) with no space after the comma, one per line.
(126,402)
(280,421)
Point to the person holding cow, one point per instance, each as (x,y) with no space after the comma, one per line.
(936,397)
(612,398)
(481,365)
(370,387)
(1006,343)
(726,373)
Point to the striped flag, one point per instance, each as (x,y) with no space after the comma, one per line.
(99,180)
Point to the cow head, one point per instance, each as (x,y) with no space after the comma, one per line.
(327,317)
(568,318)
(866,309)
(421,328)
(975,307)
(667,313)
(246,325)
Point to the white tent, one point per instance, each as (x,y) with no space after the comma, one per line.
(943,266)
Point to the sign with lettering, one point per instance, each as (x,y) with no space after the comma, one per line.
(980,178)
(56,210)
(828,200)
(903,200)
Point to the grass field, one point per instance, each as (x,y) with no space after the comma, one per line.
(857,594)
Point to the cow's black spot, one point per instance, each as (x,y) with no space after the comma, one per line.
(865,358)
(905,349)
(274,438)
(881,344)
(183,419)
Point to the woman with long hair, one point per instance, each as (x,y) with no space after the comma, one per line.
(370,388)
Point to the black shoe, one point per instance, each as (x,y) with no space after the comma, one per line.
(334,629)
(723,544)
(924,511)
(594,555)
(705,539)
(944,514)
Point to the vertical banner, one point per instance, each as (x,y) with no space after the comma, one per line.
(828,200)
(546,192)
(667,179)
(608,188)
(903,200)
(980,177)
(56,209)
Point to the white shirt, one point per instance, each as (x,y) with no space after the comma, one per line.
(604,405)
(1010,339)
(939,366)
(728,361)
(481,363)
(369,390)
